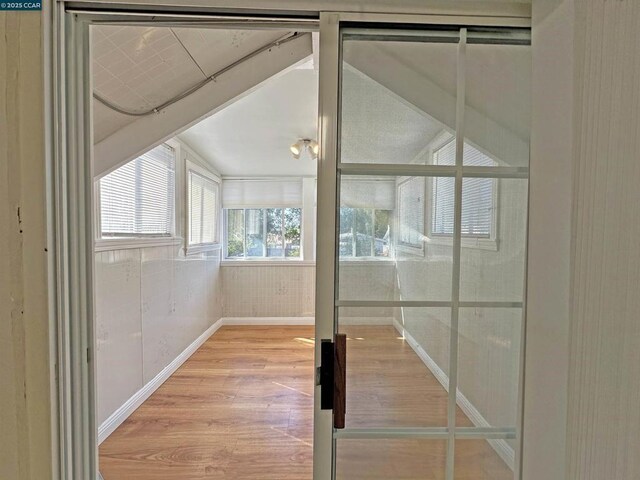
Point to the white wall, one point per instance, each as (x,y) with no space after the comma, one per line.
(289,290)
(604,373)
(489,338)
(151,304)
(268,290)
(27,385)
(549,250)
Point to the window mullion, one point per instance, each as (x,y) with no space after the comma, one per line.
(263,211)
(284,241)
(202,219)
(373,231)
(244,233)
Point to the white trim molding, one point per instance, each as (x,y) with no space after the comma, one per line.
(266,263)
(345,320)
(121,414)
(108,244)
(501,447)
(237,321)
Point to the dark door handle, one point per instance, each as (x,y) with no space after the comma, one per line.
(340,380)
(332,376)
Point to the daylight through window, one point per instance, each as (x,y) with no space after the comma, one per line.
(263,232)
(138,199)
(477,195)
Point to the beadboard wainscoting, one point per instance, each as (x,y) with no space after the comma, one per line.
(277,290)
(152,305)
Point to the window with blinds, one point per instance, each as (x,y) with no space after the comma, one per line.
(138,199)
(477,195)
(203,209)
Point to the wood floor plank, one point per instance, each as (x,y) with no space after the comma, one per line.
(241,408)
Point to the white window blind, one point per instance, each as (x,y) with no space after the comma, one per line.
(137,199)
(411,194)
(203,209)
(477,195)
(378,193)
(261,193)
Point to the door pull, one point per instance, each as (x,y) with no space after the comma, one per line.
(332,377)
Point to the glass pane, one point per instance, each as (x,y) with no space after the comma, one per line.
(274,232)
(398,100)
(480,460)
(387,249)
(492,267)
(255,235)
(498,98)
(489,365)
(292,229)
(390,459)
(235,233)
(396,358)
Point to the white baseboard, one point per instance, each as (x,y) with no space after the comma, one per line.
(502,447)
(268,320)
(122,413)
(366,320)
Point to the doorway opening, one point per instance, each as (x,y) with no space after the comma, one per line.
(204,251)
(206,218)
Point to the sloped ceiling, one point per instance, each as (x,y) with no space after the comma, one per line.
(140,67)
(251,137)
(397,97)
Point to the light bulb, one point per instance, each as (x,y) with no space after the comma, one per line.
(315,148)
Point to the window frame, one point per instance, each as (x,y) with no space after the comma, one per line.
(480,243)
(102,244)
(370,258)
(263,258)
(191,166)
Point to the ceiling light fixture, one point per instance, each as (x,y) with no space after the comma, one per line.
(311,146)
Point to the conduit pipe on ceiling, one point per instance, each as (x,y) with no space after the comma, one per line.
(212,78)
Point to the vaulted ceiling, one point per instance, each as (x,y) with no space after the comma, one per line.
(397,97)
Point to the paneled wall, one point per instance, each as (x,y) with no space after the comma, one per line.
(268,290)
(604,373)
(282,290)
(151,303)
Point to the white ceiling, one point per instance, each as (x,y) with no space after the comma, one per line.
(380,127)
(252,136)
(141,67)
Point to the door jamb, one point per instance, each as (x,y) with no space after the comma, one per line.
(71,183)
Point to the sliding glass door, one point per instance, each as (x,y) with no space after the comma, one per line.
(422,214)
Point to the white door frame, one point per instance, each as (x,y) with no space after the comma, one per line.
(70,179)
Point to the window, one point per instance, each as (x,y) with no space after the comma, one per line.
(138,199)
(477,196)
(263,232)
(203,207)
(411,195)
(365,232)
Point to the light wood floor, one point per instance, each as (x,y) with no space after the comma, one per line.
(242,408)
